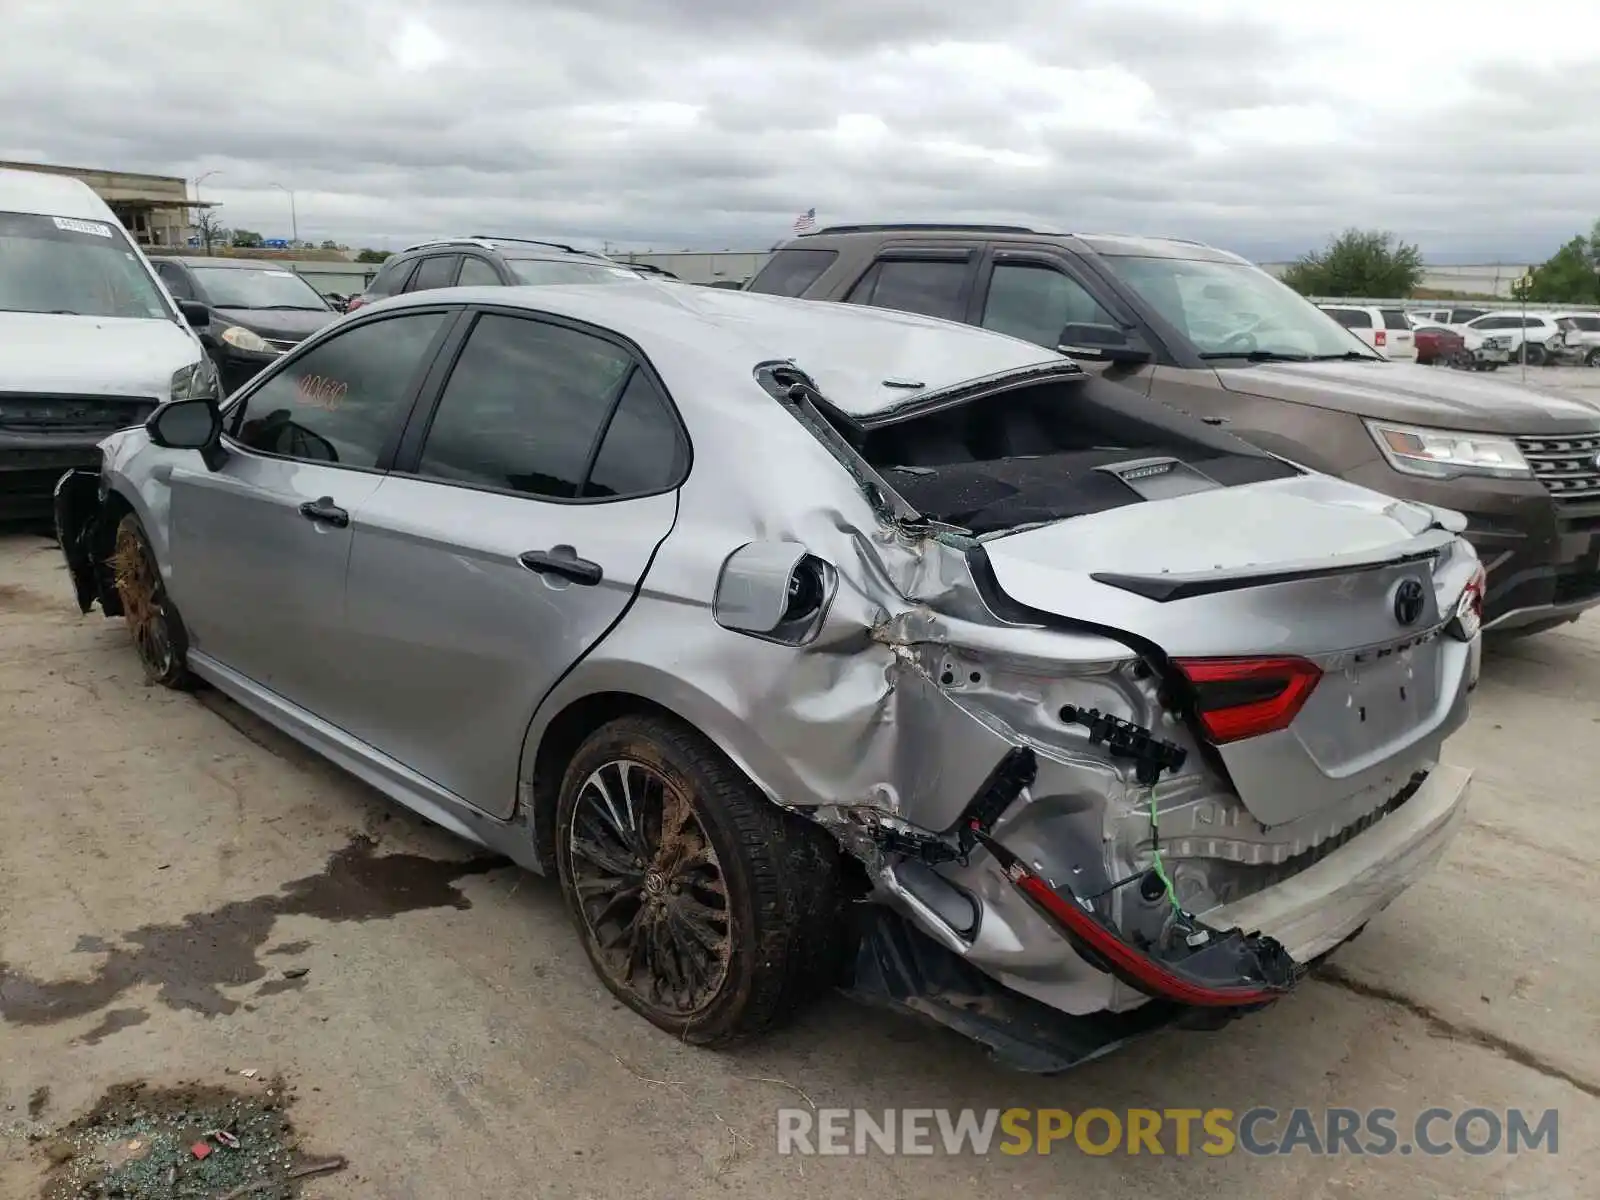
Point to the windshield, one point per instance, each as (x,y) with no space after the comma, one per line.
(64,265)
(251,287)
(549,270)
(1233,310)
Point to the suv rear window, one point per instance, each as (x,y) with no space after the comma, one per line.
(791,272)
(1351,318)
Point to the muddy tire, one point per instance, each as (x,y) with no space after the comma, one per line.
(153,623)
(705,908)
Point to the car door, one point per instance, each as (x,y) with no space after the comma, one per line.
(521,517)
(1034,294)
(260,545)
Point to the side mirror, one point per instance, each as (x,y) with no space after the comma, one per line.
(1103,343)
(197,315)
(774,590)
(185,425)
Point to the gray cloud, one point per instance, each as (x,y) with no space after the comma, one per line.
(710,123)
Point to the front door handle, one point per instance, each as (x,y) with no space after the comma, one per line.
(326,511)
(562,561)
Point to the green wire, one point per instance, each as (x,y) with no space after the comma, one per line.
(1155,846)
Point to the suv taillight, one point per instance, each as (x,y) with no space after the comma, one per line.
(355,303)
(1238,698)
(1380,338)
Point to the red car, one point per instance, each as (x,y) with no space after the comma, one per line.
(1436,344)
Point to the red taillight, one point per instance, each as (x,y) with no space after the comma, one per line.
(1380,337)
(1245,697)
(355,303)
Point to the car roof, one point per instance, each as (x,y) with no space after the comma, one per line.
(866,361)
(1111,244)
(41,194)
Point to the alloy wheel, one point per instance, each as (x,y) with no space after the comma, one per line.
(650,888)
(139,585)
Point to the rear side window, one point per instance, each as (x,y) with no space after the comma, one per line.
(391,278)
(1393,318)
(437,271)
(475,272)
(1351,318)
(1587,324)
(791,272)
(523,408)
(933,287)
(643,451)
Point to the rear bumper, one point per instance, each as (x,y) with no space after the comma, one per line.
(1315,910)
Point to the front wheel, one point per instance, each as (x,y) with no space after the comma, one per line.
(1533,354)
(153,622)
(702,906)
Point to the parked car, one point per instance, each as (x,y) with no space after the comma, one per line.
(256,310)
(1576,340)
(1437,344)
(793,636)
(1444,316)
(1207,332)
(89,342)
(1524,334)
(490,262)
(1386,330)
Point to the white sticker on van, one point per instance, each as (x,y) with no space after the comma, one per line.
(72,226)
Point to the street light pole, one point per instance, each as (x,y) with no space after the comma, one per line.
(294,220)
(205,226)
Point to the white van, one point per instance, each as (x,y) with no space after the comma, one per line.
(90,342)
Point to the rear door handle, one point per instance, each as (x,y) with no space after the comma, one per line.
(562,561)
(326,511)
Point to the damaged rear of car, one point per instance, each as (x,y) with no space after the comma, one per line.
(1006,695)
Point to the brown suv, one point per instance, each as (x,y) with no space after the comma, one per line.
(1209,333)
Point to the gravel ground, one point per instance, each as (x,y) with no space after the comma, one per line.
(186,895)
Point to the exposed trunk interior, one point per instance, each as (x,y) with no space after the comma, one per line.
(1045,451)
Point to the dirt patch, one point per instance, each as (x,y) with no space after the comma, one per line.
(39,1101)
(139,1143)
(193,960)
(18,599)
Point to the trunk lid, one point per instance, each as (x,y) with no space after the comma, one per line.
(1309,567)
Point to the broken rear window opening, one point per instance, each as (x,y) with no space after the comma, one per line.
(1040,452)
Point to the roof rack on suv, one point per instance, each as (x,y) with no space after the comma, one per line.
(497,237)
(920,227)
(450,241)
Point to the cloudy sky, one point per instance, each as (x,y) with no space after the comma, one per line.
(1472,128)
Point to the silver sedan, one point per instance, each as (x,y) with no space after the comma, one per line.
(809,644)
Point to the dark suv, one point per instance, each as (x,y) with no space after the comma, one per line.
(1212,334)
(483,261)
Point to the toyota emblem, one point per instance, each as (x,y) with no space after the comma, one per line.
(1408,602)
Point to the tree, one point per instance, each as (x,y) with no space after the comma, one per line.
(373,256)
(1567,276)
(1358,263)
(208,225)
(247,239)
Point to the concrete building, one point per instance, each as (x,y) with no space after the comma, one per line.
(155,209)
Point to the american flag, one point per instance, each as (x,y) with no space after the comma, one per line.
(806,221)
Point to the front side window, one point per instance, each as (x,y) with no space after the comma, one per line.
(523,407)
(343,401)
(475,272)
(257,287)
(791,272)
(932,287)
(74,267)
(1035,302)
(1233,309)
